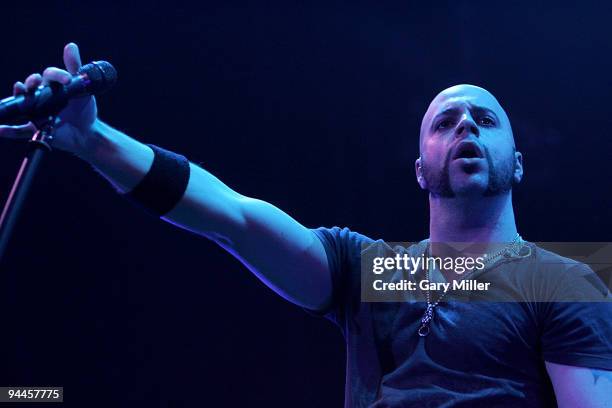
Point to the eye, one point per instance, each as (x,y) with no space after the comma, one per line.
(444,124)
(486,121)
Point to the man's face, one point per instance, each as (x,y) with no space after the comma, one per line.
(467,147)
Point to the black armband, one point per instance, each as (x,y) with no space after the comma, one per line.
(164,185)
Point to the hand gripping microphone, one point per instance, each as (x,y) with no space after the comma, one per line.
(92,79)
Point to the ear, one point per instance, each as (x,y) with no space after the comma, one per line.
(518,167)
(418,167)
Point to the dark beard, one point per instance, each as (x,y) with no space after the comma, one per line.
(500,180)
(438,185)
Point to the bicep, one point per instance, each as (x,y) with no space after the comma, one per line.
(284,254)
(580,386)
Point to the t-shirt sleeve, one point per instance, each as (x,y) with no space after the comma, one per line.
(579,333)
(343,249)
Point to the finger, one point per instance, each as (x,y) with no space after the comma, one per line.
(72,58)
(53,74)
(17,132)
(33,81)
(19,88)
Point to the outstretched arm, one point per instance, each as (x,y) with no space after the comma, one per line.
(284,254)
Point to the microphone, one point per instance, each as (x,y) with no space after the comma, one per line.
(92,79)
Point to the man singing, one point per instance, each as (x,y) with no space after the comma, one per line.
(436,352)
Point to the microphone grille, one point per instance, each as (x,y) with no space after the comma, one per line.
(102,76)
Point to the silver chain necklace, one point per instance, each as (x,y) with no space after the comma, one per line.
(507,251)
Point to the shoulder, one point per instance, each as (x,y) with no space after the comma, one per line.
(545,256)
(341,233)
(357,244)
(573,280)
(342,240)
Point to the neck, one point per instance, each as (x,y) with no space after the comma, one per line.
(482,219)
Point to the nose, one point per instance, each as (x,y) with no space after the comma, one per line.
(466,127)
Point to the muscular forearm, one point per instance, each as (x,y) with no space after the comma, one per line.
(121,159)
(208,206)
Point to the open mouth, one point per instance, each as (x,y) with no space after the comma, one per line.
(467,150)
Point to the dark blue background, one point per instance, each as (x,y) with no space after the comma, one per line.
(313,106)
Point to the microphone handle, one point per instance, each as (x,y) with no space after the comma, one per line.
(42,103)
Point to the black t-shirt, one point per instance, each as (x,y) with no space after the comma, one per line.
(478,354)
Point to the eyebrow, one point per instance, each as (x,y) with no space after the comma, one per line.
(454,110)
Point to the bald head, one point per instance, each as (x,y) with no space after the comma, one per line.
(463,95)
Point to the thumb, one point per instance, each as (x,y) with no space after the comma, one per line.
(72,58)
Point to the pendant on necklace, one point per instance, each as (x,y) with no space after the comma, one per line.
(426,320)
